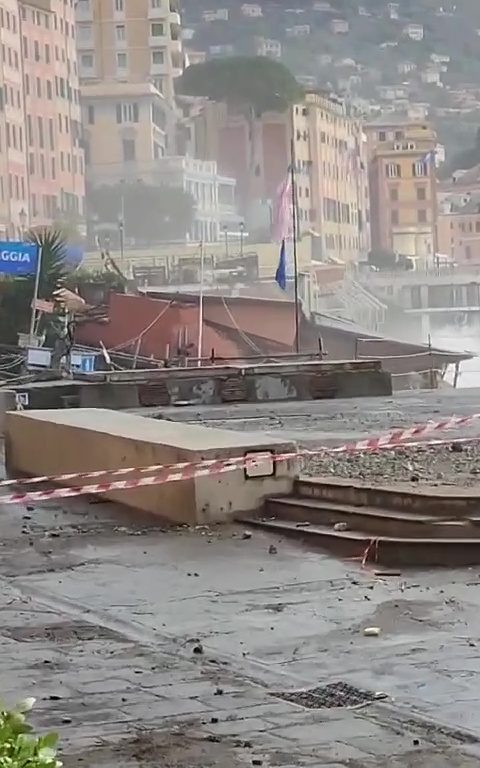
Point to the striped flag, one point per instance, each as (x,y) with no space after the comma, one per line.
(282,225)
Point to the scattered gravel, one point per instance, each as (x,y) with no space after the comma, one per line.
(455,464)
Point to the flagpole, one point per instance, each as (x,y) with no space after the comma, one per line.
(36,287)
(295,255)
(200,309)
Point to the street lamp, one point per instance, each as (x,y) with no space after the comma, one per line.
(225,231)
(242,231)
(121,230)
(23,222)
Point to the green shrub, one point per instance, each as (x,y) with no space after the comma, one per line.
(19,747)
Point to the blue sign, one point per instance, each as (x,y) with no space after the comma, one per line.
(17,258)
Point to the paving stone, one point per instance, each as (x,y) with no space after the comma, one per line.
(322,733)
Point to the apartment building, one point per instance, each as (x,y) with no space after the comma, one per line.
(214,195)
(41,155)
(332,197)
(339,196)
(403,187)
(129,54)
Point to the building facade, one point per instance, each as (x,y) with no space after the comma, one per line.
(403,188)
(459,233)
(331,189)
(41,154)
(129,54)
(339,195)
(214,195)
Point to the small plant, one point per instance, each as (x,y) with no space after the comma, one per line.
(19,747)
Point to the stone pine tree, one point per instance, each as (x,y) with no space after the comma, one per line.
(249,85)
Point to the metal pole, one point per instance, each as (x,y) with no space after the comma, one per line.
(241,239)
(295,257)
(35,295)
(200,310)
(226,242)
(122,244)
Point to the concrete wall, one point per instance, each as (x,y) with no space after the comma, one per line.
(84,440)
(215,385)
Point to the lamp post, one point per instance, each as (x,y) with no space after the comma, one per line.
(121,231)
(225,231)
(23,222)
(242,232)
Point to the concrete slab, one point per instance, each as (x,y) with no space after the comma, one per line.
(80,440)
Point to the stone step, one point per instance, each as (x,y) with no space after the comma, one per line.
(384,550)
(374,521)
(441,500)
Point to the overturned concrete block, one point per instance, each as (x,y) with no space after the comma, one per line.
(79,440)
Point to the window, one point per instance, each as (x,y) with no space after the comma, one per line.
(47,54)
(394,217)
(91,114)
(49,90)
(393,170)
(84,33)
(51,134)
(27,85)
(394,194)
(156,29)
(119,6)
(127,112)
(158,57)
(121,60)
(419,169)
(421,193)
(39,88)
(398,135)
(156,3)
(36,50)
(86,60)
(128,150)
(40,132)
(382,136)
(120,32)
(422,216)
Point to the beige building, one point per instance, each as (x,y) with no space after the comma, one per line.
(329,142)
(41,157)
(129,54)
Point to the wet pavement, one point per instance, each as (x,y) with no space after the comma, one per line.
(153,647)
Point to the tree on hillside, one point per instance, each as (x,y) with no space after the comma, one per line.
(16,294)
(152,214)
(252,85)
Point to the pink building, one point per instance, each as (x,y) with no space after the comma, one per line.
(42,167)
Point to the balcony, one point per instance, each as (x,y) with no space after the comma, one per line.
(159,68)
(174,17)
(176,48)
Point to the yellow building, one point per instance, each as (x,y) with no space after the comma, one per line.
(129,53)
(332,138)
(403,188)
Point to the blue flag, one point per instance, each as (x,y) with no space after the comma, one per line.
(281,273)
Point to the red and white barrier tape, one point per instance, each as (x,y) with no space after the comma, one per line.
(166,473)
